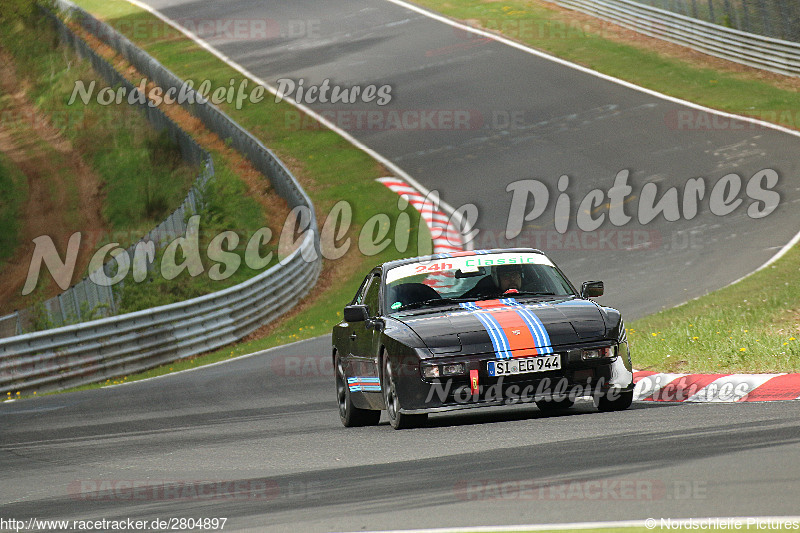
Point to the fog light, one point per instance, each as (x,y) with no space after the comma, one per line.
(454,369)
(606,352)
(431,371)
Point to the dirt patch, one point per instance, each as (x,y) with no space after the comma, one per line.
(64,193)
(788,325)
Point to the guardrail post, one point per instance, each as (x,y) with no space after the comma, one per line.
(746,16)
(76,303)
(765,18)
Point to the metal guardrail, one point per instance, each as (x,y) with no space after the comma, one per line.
(9,325)
(774,18)
(111,347)
(747,48)
(95,351)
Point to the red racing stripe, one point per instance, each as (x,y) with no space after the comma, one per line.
(520,338)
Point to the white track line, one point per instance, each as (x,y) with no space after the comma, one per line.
(594,525)
(564,62)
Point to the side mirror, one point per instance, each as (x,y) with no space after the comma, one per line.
(356,313)
(590,289)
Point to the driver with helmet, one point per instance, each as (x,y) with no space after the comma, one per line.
(509,277)
(502,278)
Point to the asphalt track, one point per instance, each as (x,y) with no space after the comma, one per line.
(565,122)
(258,441)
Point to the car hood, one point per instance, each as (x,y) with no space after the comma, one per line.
(507,326)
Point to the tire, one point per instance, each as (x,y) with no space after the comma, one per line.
(350,415)
(554,405)
(621,401)
(397,419)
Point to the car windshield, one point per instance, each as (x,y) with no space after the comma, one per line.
(475,276)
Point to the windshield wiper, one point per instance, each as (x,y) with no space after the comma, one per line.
(531,293)
(495,296)
(425,303)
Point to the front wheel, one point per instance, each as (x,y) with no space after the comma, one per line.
(350,415)
(397,419)
(614,400)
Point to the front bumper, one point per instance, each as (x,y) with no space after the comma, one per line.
(575,379)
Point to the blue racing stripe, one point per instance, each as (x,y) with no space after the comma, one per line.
(364,384)
(496,334)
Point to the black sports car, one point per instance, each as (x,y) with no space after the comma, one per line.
(472,329)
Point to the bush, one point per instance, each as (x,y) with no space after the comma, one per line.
(16,10)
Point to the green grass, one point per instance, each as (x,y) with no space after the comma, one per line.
(146,177)
(15,190)
(228,206)
(751,326)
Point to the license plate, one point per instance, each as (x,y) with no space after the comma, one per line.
(524,366)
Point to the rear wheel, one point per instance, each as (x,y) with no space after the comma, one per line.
(614,400)
(350,415)
(397,419)
(554,405)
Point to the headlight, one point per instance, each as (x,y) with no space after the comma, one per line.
(430,371)
(449,369)
(606,352)
(455,369)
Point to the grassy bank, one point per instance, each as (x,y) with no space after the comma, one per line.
(15,190)
(99,170)
(116,141)
(328,167)
(751,326)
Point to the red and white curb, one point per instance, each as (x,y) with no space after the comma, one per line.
(446,237)
(721,388)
